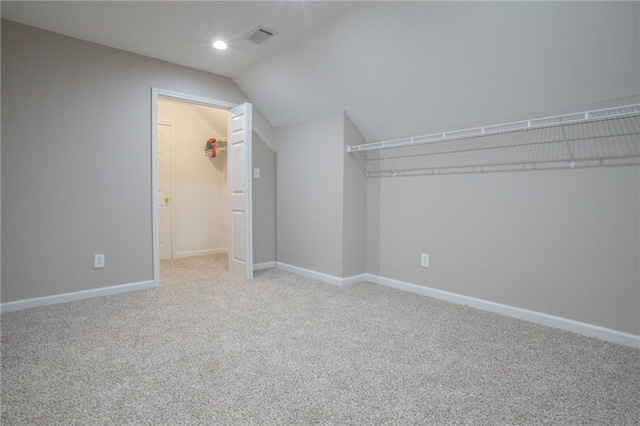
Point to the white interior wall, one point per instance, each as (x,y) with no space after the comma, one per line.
(199,182)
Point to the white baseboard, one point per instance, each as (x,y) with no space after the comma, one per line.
(76,295)
(265,265)
(355,279)
(583,328)
(590,330)
(370,278)
(193,253)
(329,279)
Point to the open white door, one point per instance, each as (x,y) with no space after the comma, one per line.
(239,176)
(165,179)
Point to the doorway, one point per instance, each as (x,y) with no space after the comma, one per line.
(238,209)
(192,179)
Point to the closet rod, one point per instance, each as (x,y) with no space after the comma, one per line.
(538,123)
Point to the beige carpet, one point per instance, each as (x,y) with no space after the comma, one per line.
(206,348)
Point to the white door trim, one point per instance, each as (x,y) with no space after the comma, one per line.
(155,219)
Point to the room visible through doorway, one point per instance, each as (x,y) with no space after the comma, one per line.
(192,179)
(239,211)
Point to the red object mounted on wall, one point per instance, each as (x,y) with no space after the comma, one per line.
(211,146)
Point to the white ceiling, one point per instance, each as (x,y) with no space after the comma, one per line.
(397,68)
(178,31)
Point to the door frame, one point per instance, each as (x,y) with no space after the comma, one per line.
(157,93)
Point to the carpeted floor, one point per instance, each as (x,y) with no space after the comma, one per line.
(206,348)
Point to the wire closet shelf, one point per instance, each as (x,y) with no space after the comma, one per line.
(604,137)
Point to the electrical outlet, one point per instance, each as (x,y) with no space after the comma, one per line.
(98,261)
(256,172)
(424,260)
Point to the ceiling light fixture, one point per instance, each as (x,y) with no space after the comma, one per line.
(219,44)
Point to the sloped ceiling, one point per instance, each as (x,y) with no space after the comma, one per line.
(402,69)
(397,68)
(214,117)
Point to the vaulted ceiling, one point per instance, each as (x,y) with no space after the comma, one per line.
(397,68)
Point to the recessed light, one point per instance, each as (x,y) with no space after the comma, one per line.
(219,44)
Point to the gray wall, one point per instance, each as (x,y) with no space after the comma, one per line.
(0,172)
(354,221)
(321,197)
(76,160)
(264,202)
(562,242)
(373,226)
(309,194)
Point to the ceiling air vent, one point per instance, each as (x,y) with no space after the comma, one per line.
(260,35)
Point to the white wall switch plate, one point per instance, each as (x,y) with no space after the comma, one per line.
(98,261)
(424,260)
(256,172)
